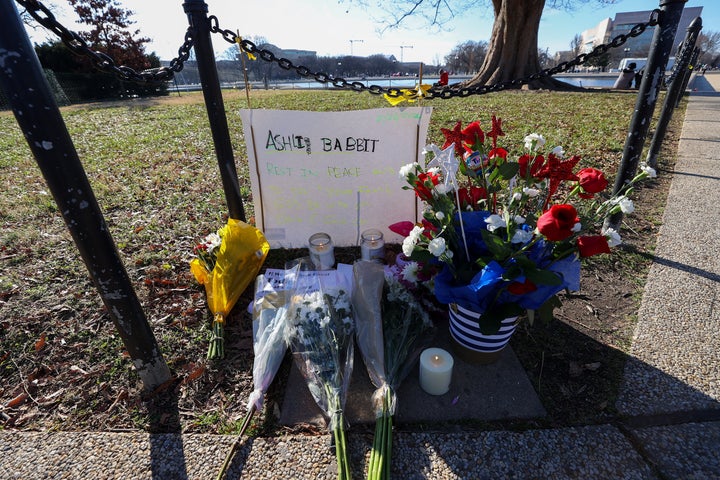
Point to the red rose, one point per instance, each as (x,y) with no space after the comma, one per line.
(594,245)
(534,163)
(592,181)
(422,189)
(518,288)
(557,223)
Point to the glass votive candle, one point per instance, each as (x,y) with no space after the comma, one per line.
(322,251)
(372,245)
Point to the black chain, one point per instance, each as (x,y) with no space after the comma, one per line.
(434,92)
(100,60)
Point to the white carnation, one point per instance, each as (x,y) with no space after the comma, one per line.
(437,246)
(613,237)
(494,222)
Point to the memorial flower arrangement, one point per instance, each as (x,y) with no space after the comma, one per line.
(320,332)
(392,327)
(504,233)
(225,263)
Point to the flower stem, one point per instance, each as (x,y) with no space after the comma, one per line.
(217,340)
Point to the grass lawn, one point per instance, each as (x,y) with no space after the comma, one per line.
(151,164)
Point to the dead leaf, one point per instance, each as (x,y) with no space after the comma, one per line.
(40,343)
(194,374)
(17,400)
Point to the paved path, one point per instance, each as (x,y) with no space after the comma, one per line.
(671,394)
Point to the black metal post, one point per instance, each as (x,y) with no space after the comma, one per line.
(674,91)
(29,95)
(669,18)
(196,11)
(688,74)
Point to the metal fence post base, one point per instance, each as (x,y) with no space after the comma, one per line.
(31,99)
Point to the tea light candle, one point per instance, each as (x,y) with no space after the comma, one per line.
(436,367)
(372,246)
(322,251)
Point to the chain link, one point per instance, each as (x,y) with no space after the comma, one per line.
(434,92)
(100,60)
(105,63)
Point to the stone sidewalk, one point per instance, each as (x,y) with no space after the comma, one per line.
(670,397)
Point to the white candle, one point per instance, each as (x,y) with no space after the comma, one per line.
(322,251)
(436,367)
(373,245)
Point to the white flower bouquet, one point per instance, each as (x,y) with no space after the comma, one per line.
(320,333)
(391,327)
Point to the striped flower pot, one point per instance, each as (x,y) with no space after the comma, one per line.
(470,344)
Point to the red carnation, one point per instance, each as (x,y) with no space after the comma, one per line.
(518,288)
(592,181)
(422,190)
(534,163)
(557,223)
(471,196)
(593,245)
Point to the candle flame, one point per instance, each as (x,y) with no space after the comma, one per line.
(436,359)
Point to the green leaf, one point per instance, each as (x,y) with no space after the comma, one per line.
(499,248)
(543,277)
(492,318)
(421,256)
(508,170)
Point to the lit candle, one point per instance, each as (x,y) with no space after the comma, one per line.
(322,251)
(372,246)
(436,367)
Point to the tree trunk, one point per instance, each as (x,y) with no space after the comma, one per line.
(513,49)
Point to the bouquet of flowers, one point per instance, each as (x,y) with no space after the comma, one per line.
(320,333)
(391,326)
(504,233)
(226,263)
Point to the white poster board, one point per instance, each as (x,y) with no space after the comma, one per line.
(332,172)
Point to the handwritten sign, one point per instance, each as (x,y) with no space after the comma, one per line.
(333,172)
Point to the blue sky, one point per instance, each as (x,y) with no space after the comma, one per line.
(327,26)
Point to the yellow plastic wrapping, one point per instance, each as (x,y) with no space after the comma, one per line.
(240,256)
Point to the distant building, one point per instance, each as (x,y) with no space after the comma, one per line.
(609,28)
(291,54)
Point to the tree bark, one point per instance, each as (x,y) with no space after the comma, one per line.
(513,49)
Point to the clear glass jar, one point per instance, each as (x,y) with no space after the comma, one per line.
(372,245)
(322,251)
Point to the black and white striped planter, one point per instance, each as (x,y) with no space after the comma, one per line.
(470,343)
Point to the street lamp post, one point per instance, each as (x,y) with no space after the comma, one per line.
(402,49)
(351,45)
